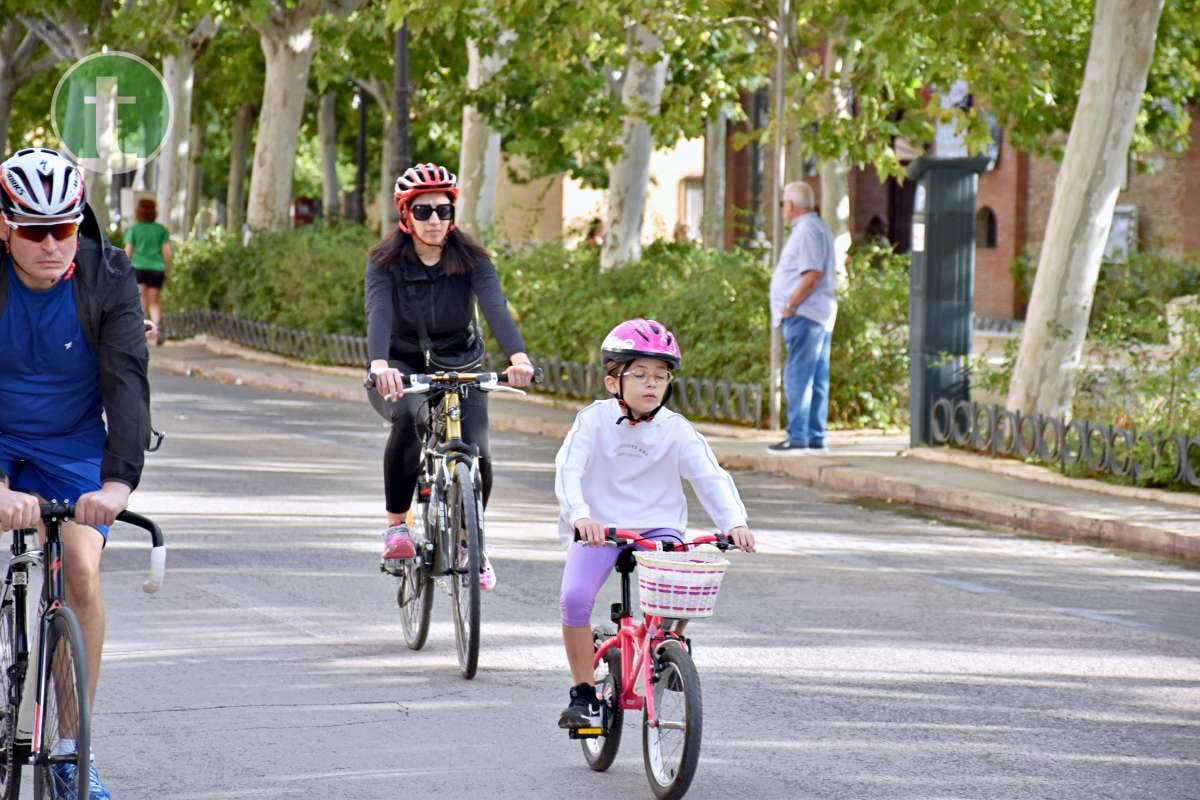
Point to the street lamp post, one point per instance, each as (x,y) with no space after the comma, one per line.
(781,46)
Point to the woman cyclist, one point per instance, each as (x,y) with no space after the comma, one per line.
(420,288)
(629,475)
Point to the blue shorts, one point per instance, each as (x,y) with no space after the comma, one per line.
(54,469)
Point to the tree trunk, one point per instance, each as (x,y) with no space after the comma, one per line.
(18,45)
(479,164)
(383,95)
(629,176)
(239,148)
(327,131)
(1085,193)
(835,174)
(712,223)
(387,189)
(288,54)
(179,76)
(7,89)
(195,176)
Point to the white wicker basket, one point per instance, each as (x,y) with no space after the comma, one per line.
(679,585)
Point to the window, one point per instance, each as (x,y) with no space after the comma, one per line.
(691,205)
(985,228)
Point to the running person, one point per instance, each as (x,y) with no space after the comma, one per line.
(71,349)
(148,245)
(612,474)
(420,286)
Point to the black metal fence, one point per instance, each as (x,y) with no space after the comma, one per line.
(718,400)
(1078,444)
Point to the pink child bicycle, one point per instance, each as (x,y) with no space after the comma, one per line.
(647,665)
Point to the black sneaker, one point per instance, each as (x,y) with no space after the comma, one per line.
(583,707)
(787,446)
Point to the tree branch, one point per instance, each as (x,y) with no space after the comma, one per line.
(378,91)
(50,33)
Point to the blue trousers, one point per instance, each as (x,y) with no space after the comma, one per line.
(806,380)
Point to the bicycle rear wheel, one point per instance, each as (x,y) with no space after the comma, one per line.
(414,596)
(466,544)
(65,713)
(671,747)
(601,751)
(12,681)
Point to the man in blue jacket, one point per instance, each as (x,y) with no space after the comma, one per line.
(73,357)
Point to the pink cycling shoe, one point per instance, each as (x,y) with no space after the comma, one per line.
(487,574)
(397,547)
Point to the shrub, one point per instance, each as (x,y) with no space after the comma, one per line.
(715,301)
(868,371)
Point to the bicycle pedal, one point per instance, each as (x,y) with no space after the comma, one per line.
(585,733)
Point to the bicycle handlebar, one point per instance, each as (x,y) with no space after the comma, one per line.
(418,383)
(614,536)
(158,550)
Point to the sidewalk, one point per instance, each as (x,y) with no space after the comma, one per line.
(867,465)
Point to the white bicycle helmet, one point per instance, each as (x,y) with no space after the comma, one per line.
(41,183)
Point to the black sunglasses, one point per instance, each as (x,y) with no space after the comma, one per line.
(423,211)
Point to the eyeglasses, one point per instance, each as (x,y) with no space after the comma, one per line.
(646,376)
(33,232)
(423,211)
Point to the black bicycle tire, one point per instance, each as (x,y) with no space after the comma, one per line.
(602,760)
(416,631)
(64,626)
(10,762)
(463,509)
(677,657)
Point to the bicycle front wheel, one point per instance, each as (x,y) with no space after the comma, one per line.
(415,593)
(671,745)
(466,546)
(12,681)
(64,715)
(601,751)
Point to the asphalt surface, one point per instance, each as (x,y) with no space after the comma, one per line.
(863,653)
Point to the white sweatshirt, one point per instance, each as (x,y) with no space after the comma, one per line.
(630,475)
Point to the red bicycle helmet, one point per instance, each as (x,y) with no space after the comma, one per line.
(421,179)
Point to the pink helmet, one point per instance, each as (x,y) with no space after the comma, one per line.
(641,338)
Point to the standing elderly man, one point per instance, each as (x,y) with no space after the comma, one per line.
(804,302)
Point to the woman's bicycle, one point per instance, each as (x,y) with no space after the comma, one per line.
(44,704)
(445,519)
(646,665)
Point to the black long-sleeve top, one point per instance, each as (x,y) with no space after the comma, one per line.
(445,301)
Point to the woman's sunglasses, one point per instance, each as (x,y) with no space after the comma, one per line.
(32,232)
(423,211)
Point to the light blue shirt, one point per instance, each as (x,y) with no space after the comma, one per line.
(809,247)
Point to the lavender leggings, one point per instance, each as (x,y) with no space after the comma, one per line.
(586,571)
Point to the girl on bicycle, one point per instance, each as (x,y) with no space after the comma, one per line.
(420,286)
(613,474)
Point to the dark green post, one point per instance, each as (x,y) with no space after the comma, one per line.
(942,284)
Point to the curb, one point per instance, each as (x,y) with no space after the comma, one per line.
(1041,474)
(1072,525)
(830,473)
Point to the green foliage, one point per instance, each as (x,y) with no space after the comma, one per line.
(1131,297)
(1030,79)
(869,356)
(714,302)
(309,278)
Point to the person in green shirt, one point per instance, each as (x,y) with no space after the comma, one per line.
(148,245)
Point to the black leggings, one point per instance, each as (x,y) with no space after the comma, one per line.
(402,456)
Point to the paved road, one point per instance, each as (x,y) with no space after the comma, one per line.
(864,654)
